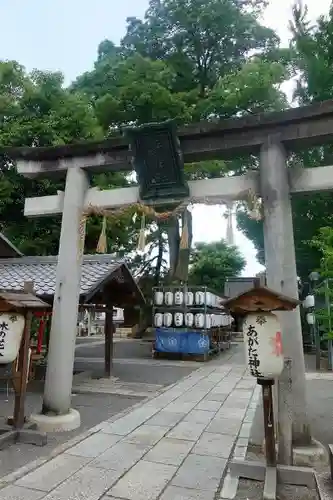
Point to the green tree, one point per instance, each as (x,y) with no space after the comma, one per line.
(187,60)
(312,49)
(36,110)
(323,241)
(212,263)
(201,41)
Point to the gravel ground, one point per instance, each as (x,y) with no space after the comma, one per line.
(93,409)
(122,349)
(253,490)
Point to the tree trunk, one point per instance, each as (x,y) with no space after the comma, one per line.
(159,257)
(173,240)
(184,253)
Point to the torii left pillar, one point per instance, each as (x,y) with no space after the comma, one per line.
(57,414)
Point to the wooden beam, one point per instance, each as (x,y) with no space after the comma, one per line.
(302,180)
(307,180)
(108,333)
(227,188)
(296,128)
(98,163)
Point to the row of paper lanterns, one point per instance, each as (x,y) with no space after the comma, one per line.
(189,298)
(190,320)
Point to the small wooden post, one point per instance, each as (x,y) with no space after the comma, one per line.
(108,332)
(267,397)
(20,395)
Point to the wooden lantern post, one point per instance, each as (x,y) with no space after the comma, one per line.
(265,361)
(16,310)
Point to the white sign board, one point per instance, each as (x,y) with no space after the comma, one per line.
(263,344)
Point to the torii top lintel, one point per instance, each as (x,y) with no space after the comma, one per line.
(296,128)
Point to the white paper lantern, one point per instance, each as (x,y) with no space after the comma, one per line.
(179,298)
(179,319)
(228,319)
(189,298)
(11,331)
(158,298)
(167,319)
(209,299)
(310,319)
(189,319)
(309,301)
(208,321)
(199,298)
(263,345)
(199,320)
(169,298)
(158,320)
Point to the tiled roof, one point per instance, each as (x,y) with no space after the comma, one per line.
(42,271)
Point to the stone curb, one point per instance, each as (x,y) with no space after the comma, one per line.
(230,483)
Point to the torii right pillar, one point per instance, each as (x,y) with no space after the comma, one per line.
(282,276)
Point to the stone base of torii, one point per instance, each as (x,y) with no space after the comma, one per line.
(267,136)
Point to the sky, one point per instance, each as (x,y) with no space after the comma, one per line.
(64,35)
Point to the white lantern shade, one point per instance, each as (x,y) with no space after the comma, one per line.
(309,301)
(209,299)
(169,298)
(167,319)
(310,319)
(189,298)
(158,320)
(158,298)
(179,319)
(179,298)
(199,320)
(263,345)
(189,319)
(199,298)
(11,331)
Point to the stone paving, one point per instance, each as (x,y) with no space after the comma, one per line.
(174,446)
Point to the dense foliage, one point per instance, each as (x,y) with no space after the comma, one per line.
(312,50)
(212,263)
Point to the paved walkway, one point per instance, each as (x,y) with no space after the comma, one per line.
(174,446)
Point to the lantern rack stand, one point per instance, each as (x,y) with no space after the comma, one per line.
(222,334)
(17,427)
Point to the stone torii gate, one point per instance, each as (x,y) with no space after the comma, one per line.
(270,136)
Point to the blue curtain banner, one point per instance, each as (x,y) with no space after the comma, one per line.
(168,340)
